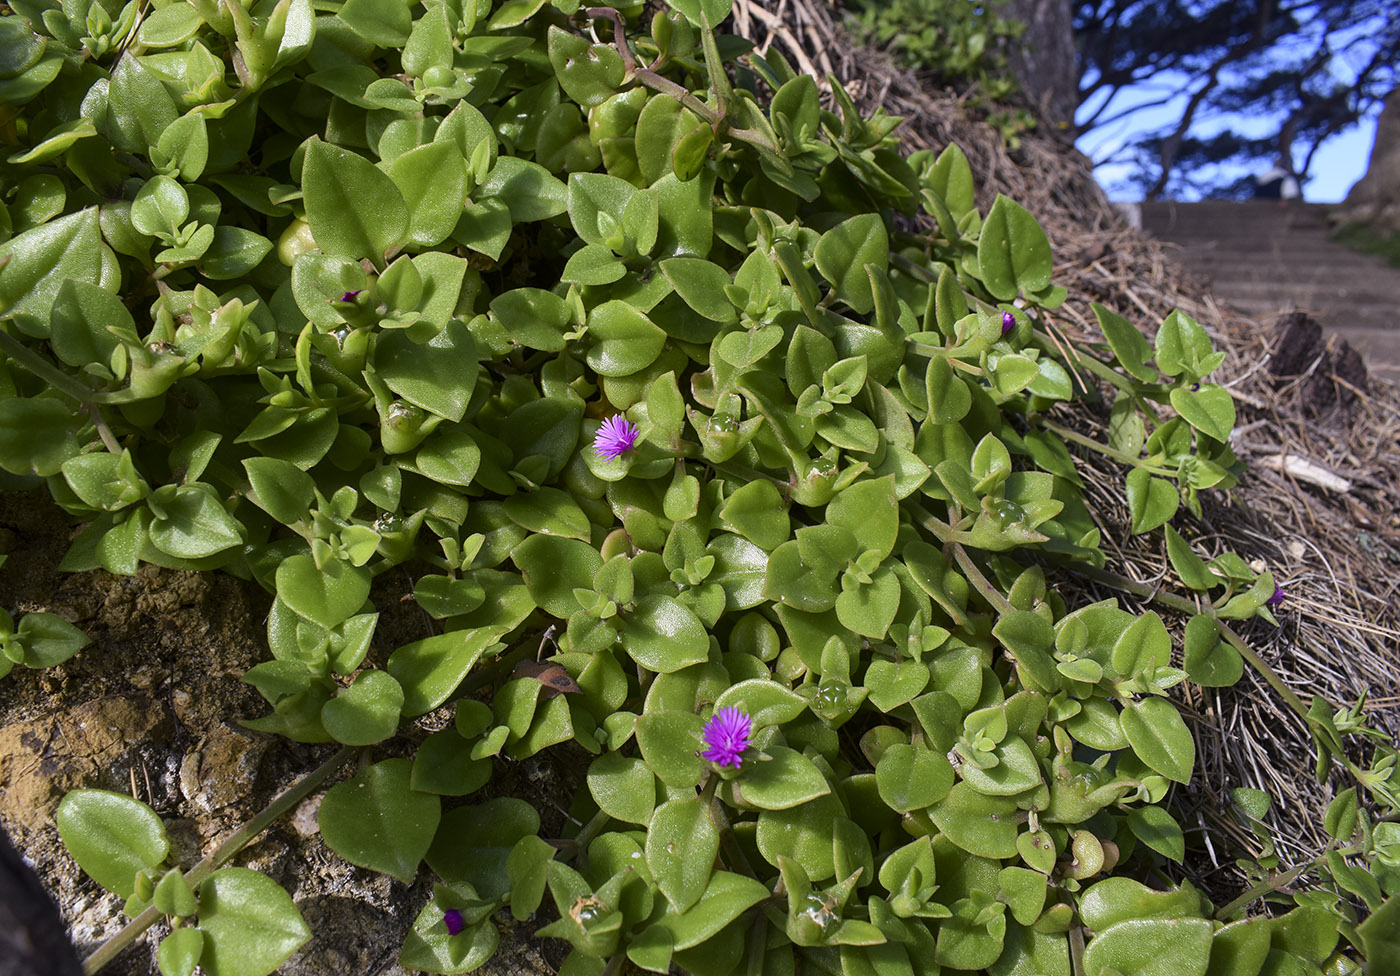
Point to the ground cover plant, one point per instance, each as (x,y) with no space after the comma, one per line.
(1369,241)
(725,442)
(954,43)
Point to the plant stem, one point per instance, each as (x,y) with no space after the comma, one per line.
(619,33)
(648,76)
(1093,445)
(45,370)
(103,431)
(664,85)
(1103,371)
(1264,887)
(591,830)
(235,842)
(984,586)
(938,528)
(917,270)
(1076,949)
(727,841)
(27,359)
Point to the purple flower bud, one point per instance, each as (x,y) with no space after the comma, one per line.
(452,918)
(349,296)
(616,437)
(1195,387)
(1277,597)
(1008,322)
(727,734)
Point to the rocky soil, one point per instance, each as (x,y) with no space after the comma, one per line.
(150,708)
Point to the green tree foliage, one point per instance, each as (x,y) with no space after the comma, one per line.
(960,44)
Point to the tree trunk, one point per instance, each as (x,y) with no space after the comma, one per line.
(1375,199)
(1044,60)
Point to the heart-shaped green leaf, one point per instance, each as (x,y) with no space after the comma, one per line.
(365,713)
(663,636)
(1210,661)
(1159,830)
(1159,737)
(765,701)
(179,952)
(1013,252)
(1210,409)
(438,375)
(473,844)
(912,778)
(783,779)
(1151,947)
(623,788)
(378,821)
(1127,343)
(625,340)
(111,836)
(429,670)
(433,182)
(681,846)
(355,211)
(250,924)
(844,251)
(553,567)
(323,596)
(979,824)
(1152,501)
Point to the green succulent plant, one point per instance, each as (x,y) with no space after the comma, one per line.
(749,422)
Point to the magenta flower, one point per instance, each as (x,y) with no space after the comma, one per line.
(616,437)
(452,918)
(727,734)
(1276,598)
(1008,322)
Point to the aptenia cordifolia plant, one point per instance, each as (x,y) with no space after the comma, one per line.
(624,346)
(616,437)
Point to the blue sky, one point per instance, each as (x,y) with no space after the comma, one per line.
(1340,162)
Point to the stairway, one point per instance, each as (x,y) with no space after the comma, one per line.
(1264,259)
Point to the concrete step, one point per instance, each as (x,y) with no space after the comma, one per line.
(1289,248)
(1347,320)
(1241,229)
(1292,254)
(1340,315)
(1264,259)
(1379,345)
(1338,277)
(1303,294)
(1177,222)
(1282,241)
(1233,213)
